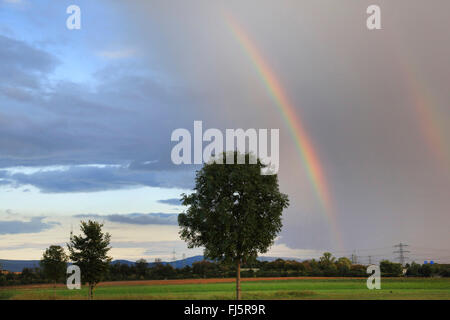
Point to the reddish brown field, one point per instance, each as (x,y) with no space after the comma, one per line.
(178,281)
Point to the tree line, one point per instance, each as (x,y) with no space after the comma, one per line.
(326,266)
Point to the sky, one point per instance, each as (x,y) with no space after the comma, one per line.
(86,118)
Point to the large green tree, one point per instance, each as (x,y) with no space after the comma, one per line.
(89,251)
(141,268)
(54,263)
(343,265)
(234,212)
(327,259)
(327,264)
(391,268)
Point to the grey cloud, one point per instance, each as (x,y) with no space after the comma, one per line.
(6,182)
(166,249)
(28,245)
(127,117)
(3,178)
(23,65)
(25,57)
(173,201)
(70,124)
(35,225)
(160,249)
(17,93)
(91,179)
(142,244)
(137,218)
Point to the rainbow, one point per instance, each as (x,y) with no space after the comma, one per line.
(304,145)
(427,116)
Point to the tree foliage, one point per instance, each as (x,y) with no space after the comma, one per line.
(141,267)
(53,263)
(391,269)
(234,211)
(213,269)
(89,251)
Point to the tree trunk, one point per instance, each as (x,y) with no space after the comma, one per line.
(238,280)
(91,292)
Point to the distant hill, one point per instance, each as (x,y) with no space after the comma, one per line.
(189,261)
(18,265)
(176,264)
(270,259)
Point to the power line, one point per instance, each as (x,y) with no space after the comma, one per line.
(354,258)
(401,251)
(372,249)
(430,249)
(174,258)
(375,255)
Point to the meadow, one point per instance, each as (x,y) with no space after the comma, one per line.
(300,288)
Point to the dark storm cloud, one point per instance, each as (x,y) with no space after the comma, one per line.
(22,67)
(356,92)
(74,126)
(99,178)
(173,201)
(21,56)
(35,225)
(137,218)
(121,122)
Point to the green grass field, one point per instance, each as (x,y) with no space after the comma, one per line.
(279,289)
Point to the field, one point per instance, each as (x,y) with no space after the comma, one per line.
(273,288)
